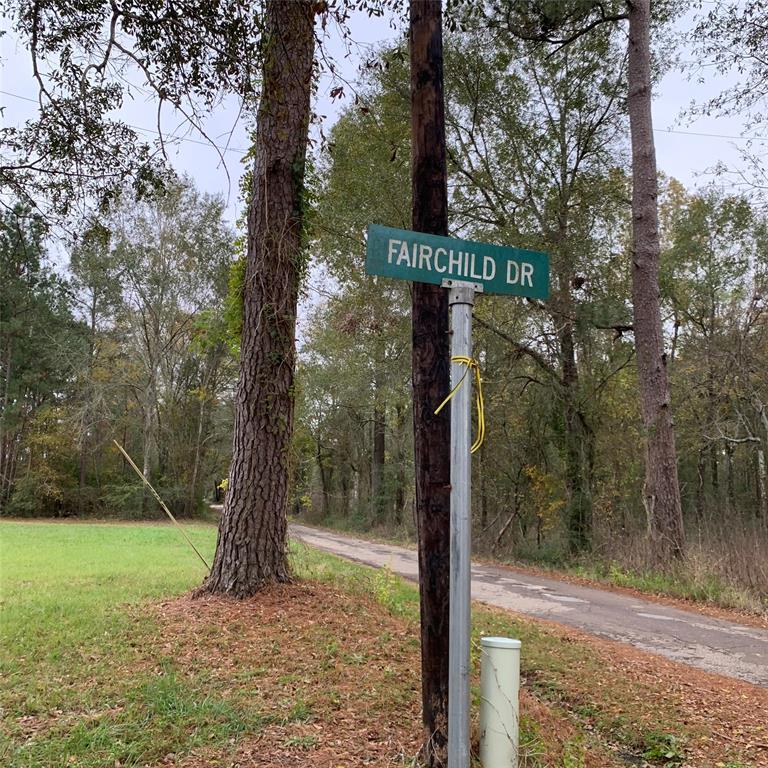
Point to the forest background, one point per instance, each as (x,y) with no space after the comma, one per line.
(136,339)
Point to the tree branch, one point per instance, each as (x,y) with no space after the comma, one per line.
(522,349)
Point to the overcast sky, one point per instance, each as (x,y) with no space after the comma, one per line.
(687,153)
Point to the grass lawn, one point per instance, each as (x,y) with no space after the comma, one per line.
(105,662)
(69,646)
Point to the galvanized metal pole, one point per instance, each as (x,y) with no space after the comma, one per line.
(461,299)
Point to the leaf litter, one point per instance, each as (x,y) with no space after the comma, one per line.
(336,679)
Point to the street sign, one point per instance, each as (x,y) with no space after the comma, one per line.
(423,258)
(466,267)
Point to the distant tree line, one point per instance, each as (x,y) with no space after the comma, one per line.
(128,342)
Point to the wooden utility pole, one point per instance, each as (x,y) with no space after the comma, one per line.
(431,373)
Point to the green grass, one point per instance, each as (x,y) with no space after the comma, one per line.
(681,582)
(392,592)
(73,687)
(61,582)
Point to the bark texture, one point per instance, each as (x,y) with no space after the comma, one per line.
(251,547)
(661,491)
(150,426)
(431,373)
(378,454)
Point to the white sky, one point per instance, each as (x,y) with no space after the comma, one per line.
(681,154)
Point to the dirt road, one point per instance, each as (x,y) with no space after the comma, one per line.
(711,644)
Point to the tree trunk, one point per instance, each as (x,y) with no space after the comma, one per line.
(209,386)
(84,442)
(730,491)
(577,474)
(83,460)
(123,462)
(197,458)
(149,438)
(762,473)
(701,466)
(661,491)
(344,489)
(431,374)
(251,551)
(400,477)
(325,489)
(714,475)
(377,465)
(6,479)
(762,485)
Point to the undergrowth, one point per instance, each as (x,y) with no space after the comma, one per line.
(683,581)
(726,580)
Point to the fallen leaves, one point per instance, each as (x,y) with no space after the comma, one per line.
(337,676)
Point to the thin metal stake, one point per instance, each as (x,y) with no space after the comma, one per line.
(461,299)
(161,502)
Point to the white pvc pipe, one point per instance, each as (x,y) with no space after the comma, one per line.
(499,701)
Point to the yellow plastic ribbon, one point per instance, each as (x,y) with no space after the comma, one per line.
(472,365)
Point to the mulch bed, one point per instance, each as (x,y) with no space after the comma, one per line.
(352,666)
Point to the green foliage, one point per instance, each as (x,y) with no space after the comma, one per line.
(574,755)
(148,364)
(364,332)
(41,345)
(687,580)
(123,499)
(561,387)
(664,749)
(387,589)
(500,93)
(546,498)
(301,712)
(49,485)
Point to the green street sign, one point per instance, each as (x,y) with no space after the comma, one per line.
(423,258)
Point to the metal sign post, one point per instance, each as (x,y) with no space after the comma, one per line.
(464,267)
(461,300)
